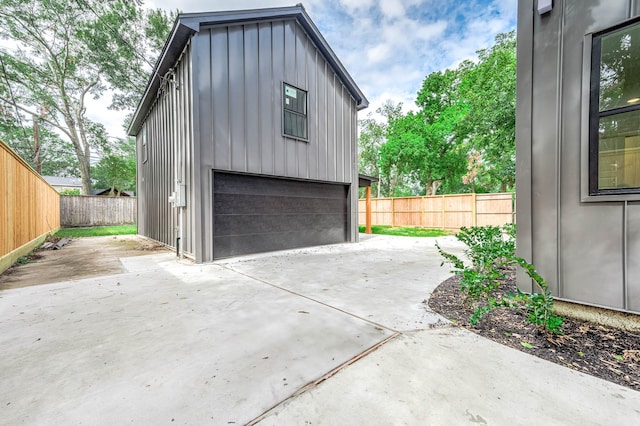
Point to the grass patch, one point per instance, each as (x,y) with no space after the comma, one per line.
(407,232)
(97,231)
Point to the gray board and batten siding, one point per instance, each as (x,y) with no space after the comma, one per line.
(214,109)
(588,248)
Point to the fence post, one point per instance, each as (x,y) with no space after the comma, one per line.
(393,212)
(474,210)
(368,213)
(442,211)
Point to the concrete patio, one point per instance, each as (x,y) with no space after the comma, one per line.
(327,335)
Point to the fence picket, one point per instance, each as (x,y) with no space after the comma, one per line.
(29,206)
(77,210)
(441,211)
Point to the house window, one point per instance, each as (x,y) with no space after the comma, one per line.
(144,144)
(614,112)
(295,112)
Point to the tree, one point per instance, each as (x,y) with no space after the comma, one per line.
(55,154)
(424,145)
(371,138)
(116,169)
(462,138)
(489,91)
(67,51)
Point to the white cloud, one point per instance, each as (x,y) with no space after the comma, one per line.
(112,120)
(353,6)
(392,8)
(378,53)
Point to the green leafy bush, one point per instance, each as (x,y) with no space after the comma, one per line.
(489,246)
(539,306)
(490,250)
(74,191)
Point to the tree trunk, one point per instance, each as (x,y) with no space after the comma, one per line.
(83,165)
(85,175)
(81,147)
(432,187)
(435,185)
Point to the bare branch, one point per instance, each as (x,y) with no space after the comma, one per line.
(28,111)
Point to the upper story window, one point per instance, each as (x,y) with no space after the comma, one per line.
(295,112)
(145,155)
(614,112)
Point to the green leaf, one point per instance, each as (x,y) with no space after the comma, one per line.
(56,56)
(526,345)
(619,357)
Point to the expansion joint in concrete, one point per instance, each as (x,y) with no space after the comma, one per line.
(315,383)
(375,324)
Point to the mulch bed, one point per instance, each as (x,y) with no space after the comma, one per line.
(604,352)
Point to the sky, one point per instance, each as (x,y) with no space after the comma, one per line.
(388,46)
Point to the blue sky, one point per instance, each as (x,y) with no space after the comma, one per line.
(388,46)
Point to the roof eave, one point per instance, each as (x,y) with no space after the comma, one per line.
(189,23)
(180,34)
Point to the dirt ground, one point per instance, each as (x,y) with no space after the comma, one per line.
(604,352)
(81,258)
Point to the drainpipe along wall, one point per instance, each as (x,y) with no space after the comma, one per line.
(178,197)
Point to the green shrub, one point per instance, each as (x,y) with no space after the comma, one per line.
(490,249)
(74,191)
(489,246)
(539,306)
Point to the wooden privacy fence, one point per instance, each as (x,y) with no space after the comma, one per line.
(441,211)
(29,206)
(78,210)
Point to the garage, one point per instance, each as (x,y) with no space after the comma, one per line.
(253,214)
(247,137)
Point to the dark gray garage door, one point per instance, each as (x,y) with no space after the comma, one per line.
(254,214)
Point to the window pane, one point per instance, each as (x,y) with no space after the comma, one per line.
(619,151)
(295,125)
(295,100)
(620,68)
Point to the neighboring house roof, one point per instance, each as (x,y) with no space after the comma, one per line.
(63,181)
(187,24)
(106,192)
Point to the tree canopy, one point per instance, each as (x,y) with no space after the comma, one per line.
(116,170)
(67,51)
(461,138)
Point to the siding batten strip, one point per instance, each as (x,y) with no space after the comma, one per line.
(558,165)
(625,256)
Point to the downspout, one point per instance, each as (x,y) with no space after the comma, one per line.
(178,196)
(180,188)
(178,165)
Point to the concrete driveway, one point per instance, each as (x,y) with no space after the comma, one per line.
(327,335)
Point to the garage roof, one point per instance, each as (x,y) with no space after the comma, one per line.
(187,24)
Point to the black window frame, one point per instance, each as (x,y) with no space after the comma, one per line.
(595,114)
(286,110)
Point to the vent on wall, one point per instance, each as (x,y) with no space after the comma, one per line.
(544,6)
